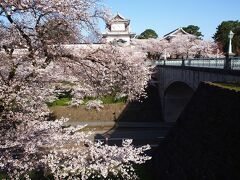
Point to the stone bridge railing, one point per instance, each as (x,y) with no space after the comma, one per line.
(232,63)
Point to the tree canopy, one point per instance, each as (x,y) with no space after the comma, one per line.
(192,29)
(221,35)
(178,47)
(59,30)
(147,34)
(35,65)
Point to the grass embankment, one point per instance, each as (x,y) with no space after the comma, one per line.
(148,110)
(65,101)
(112,109)
(231,86)
(60,102)
(110,112)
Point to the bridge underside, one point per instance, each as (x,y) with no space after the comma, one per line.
(176,96)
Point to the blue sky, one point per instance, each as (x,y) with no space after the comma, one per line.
(164,16)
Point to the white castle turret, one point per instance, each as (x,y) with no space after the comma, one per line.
(118,30)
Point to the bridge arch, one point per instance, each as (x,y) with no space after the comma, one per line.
(176,95)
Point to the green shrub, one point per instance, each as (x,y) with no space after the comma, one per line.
(65,94)
(110,99)
(65,100)
(3,175)
(60,102)
(88,98)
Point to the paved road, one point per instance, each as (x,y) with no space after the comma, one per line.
(140,135)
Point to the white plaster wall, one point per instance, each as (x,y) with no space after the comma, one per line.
(118,27)
(112,38)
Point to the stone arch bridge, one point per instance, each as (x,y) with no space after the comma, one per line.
(178,79)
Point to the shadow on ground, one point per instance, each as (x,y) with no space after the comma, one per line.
(146,110)
(141,121)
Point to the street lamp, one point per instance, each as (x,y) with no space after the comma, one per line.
(230,36)
(228,63)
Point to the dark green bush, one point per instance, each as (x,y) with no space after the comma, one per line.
(60,102)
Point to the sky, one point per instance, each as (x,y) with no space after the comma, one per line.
(164,16)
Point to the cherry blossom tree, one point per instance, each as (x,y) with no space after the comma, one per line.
(178,47)
(154,48)
(181,46)
(207,49)
(32,64)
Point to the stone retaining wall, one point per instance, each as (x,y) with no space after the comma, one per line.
(205,143)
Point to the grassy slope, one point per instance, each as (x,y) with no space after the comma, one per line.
(231,86)
(149,110)
(65,101)
(110,112)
